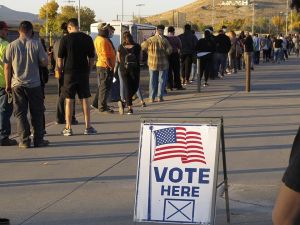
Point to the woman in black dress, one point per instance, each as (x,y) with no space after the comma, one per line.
(128,57)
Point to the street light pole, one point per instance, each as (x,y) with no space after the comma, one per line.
(122,11)
(213,13)
(286,17)
(140,5)
(79,14)
(253,15)
(47,21)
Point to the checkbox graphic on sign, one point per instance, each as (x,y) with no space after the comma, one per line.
(179,210)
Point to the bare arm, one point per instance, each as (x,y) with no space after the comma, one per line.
(59,66)
(8,76)
(287,207)
(91,63)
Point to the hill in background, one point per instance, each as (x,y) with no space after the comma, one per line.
(201,11)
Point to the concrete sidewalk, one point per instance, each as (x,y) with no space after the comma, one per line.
(90,180)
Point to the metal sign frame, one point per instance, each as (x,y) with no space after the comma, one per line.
(211,121)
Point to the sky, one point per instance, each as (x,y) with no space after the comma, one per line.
(106,10)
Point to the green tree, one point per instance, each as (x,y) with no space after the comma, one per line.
(263,25)
(278,22)
(295,23)
(48,13)
(87,16)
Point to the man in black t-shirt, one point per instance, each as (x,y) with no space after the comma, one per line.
(277,45)
(287,207)
(76,56)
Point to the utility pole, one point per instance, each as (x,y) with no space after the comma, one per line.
(253,15)
(79,14)
(122,18)
(286,17)
(47,31)
(140,5)
(213,13)
(291,30)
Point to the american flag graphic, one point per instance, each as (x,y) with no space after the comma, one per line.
(177,142)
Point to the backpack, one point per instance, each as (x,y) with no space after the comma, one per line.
(130,59)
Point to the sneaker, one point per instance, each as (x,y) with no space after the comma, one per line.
(151,100)
(60,122)
(144,104)
(90,131)
(93,107)
(25,144)
(220,76)
(74,122)
(42,143)
(107,111)
(161,99)
(8,142)
(130,112)
(205,84)
(67,132)
(121,107)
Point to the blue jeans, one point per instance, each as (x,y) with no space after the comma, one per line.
(157,83)
(193,71)
(5,114)
(139,94)
(277,54)
(220,60)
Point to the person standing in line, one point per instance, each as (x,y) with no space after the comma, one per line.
(105,68)
(269,50)
(232,54)
(159,49)
(248,50)
(188,41)
(6,106)
(60,108)
(284,51)
(206,44)
(277,45)
(257,48)
(287,206)
(223,46)
(296,44)
(44,76)
(193,75)
(240,59)
(75,59)
(22,59)
(174,80)
(129,54)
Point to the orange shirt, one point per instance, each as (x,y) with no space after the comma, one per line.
(105,52)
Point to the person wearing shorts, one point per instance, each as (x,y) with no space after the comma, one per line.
(287,206)
(76,57)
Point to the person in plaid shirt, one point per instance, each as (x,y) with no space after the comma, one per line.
(159,49)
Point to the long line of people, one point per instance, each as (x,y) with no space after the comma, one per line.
(171,61)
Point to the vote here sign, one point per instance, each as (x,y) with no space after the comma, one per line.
(177,174)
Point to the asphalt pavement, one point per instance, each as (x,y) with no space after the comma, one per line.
(90,180)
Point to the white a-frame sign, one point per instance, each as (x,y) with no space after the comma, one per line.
(177,170)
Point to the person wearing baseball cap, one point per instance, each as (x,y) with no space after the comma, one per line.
(6,106)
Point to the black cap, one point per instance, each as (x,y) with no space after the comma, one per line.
(3,25)
(160,27)
(171,29)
